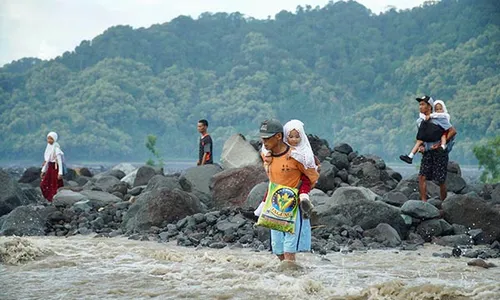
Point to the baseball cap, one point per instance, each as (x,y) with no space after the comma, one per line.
(270,127)
(427,99)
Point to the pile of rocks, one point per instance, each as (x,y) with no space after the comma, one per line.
(360,203)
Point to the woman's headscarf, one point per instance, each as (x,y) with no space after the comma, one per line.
(302,152)
(52,151)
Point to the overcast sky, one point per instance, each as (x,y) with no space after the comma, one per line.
(47,28)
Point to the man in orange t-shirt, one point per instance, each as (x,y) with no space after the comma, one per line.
(283,170)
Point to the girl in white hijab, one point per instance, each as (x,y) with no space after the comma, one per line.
(295,136)
(52,168)
(439,111)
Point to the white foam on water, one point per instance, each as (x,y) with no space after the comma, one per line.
(97,268)
(15,251)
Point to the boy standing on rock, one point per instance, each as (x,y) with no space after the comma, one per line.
(205,148)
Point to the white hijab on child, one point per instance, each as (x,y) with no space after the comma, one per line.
(52,151)
(303,151)
(445,110)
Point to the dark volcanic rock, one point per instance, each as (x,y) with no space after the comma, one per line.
(384,234)
(473,212)
(431,228)
(395,198)
(160,181)
(343,148)
(419,209)
(159,206)
(326,181)
(26,220)
(256,195)
(31,174)
(199,177)
(232,187)
(11,195)
(358,206)
(339,160)
(144,174)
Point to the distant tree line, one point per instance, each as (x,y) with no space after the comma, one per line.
(349,74)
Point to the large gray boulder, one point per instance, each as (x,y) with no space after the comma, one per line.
(31,174)
(380,188)
(238,153)
(454,167)
(409,186)
(358,206)
(66,198)
(144,174)
(420,210)
(82,206)
(432,228)
(256,195)
(385,234)
(455,183)
(125,168)
(321,151)
(11,195)
(120,188)
(85,172)
(346,194)
(394,175)
(118,174)
(475,213)
(371,174)
(32,194)
(317,192)
(26,221)
(395,198)
(130,177)
(160,181)
(199,177)
(158,207)
(106,182)
(454,240)
(343,148)
(326,181)
(232,187)
(100,199)
(340,160)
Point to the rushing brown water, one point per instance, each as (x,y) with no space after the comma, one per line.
(82,267)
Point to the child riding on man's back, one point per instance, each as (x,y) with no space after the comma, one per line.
(440,111)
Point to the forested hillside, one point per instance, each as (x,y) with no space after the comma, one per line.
(350,75)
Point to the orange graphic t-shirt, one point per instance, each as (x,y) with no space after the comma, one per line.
(285,170)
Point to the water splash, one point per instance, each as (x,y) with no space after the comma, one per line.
(15,251)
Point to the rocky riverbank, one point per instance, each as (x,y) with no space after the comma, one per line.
(360,204)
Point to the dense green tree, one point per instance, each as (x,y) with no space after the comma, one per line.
(489,159)
(349,74)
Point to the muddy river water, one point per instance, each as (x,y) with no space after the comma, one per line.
(83,267)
